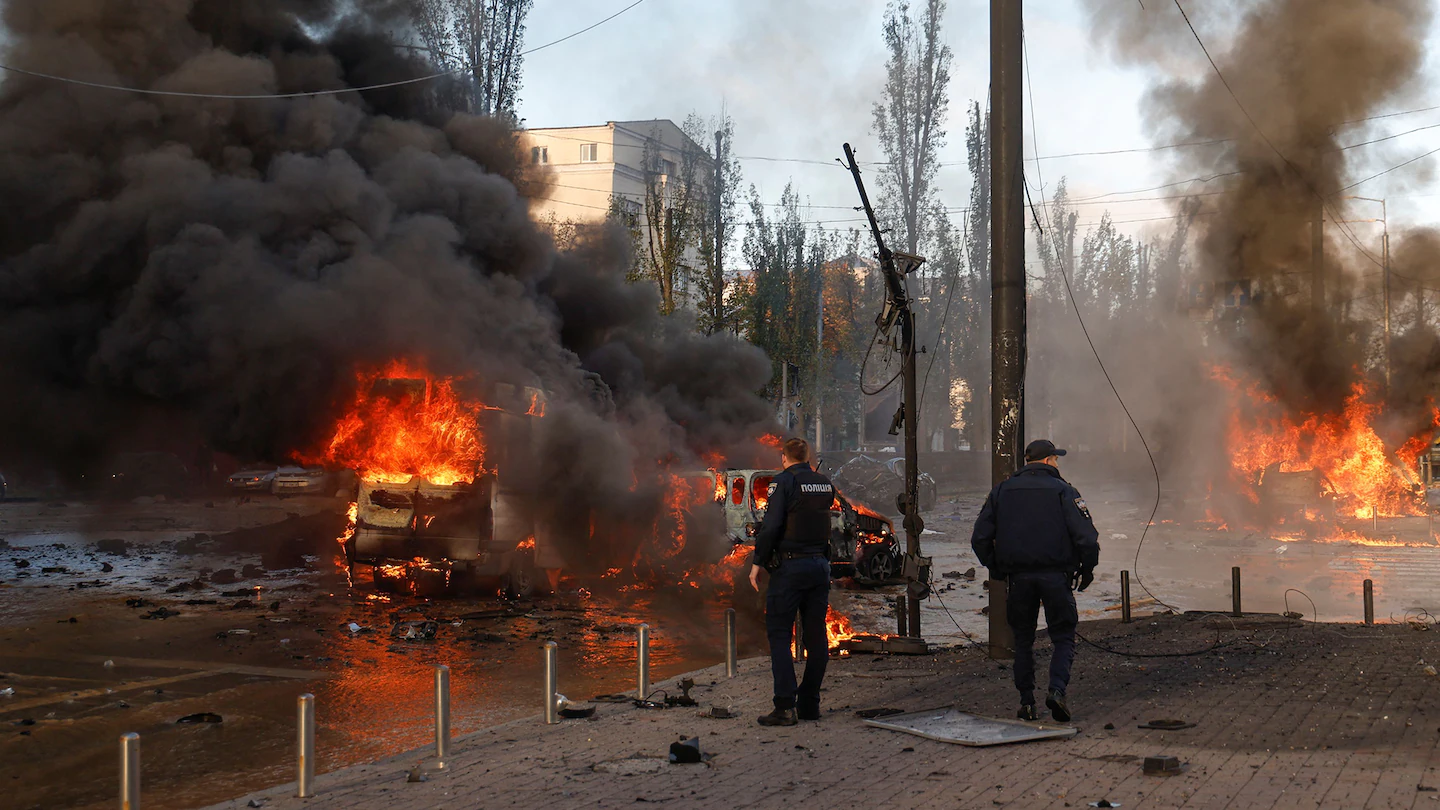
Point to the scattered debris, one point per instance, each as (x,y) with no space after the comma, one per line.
(54,569)
(161,613)
(225,576)
(1428,669)
(201,717)
(355,628)
(870,713)
(417,774)
(686,752)
(8,691)
(1109,726)
(256,803)
(683,699)
(252,571)
(137,602)
(1104,803)
(719,713)
(415,630)
(573,713)
(1166,725)
(239,632)
(193,585)
(1162,766)
(21,563)
(109,664)
(106,568)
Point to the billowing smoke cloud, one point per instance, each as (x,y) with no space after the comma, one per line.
(218,269)
(1301,69)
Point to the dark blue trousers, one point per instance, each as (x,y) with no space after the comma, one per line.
(1027,593)
(798,586)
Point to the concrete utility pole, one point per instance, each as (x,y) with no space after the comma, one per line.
(819,352)
(1007,278)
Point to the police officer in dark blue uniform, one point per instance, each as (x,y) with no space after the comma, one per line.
(1035,532)
(793,544)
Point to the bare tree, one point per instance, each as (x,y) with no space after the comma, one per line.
(909,118)
(715,228)
(675,204)
(481,41)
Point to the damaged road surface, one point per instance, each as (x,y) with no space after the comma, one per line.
(86,664)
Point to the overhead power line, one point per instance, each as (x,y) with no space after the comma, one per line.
(301,94)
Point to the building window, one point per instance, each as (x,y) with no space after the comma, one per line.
(589,152)
(539,154)
(667,167)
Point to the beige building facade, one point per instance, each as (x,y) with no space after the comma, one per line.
(592,168)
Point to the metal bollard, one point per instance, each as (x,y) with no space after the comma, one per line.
(551,687)
(306,739)
(1125,597)
(130,771)
(732,652)
(1235,590)
(1369,602)
(642,659)
(442,715)
(902,614)
(799,635)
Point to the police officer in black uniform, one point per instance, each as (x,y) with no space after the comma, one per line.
(1035,532)
(793,545)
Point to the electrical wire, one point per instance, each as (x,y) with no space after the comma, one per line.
(301,94)
(1074,305)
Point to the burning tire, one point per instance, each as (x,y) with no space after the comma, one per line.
(879,565)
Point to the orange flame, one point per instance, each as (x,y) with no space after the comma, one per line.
(1344,448)
(837,627)
(406,422)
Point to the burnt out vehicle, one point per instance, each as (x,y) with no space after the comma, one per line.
(1290,493)
(463,532)
(880,482)
(862,542)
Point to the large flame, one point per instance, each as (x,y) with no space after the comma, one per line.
(837,627)
(1357,468)
(406,422)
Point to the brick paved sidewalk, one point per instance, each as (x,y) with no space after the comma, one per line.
(1287,715)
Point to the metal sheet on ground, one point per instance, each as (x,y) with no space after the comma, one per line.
(948,724)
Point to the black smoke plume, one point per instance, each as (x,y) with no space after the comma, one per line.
(216,270)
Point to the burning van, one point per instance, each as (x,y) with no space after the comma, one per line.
(432,511)
(862,542)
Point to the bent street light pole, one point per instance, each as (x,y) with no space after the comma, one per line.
(1007,276)
(897,310)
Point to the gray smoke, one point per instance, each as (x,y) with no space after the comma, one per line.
(208,270)
(1300,68)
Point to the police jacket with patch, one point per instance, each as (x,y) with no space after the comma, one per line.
(1035,521)
(797,516)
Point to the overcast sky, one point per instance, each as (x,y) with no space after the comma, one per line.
(800,78)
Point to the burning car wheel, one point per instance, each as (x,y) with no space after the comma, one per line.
(880,566)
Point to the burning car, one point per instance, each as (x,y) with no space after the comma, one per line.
(862,542)
(431,511)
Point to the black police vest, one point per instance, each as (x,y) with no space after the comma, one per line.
(807,521)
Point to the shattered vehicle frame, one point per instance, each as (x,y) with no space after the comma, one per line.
(862,542)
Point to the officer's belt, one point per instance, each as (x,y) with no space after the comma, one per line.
(800,555)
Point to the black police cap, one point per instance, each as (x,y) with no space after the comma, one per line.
(1042,448)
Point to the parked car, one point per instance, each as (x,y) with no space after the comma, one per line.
(302,481)
(252,479)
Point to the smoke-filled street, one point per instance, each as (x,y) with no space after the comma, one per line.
(378,376)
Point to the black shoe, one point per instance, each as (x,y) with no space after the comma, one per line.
(808,712)
(779,717)
(1027,712)
(1059,709)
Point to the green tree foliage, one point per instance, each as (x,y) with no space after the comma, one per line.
(481,40)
